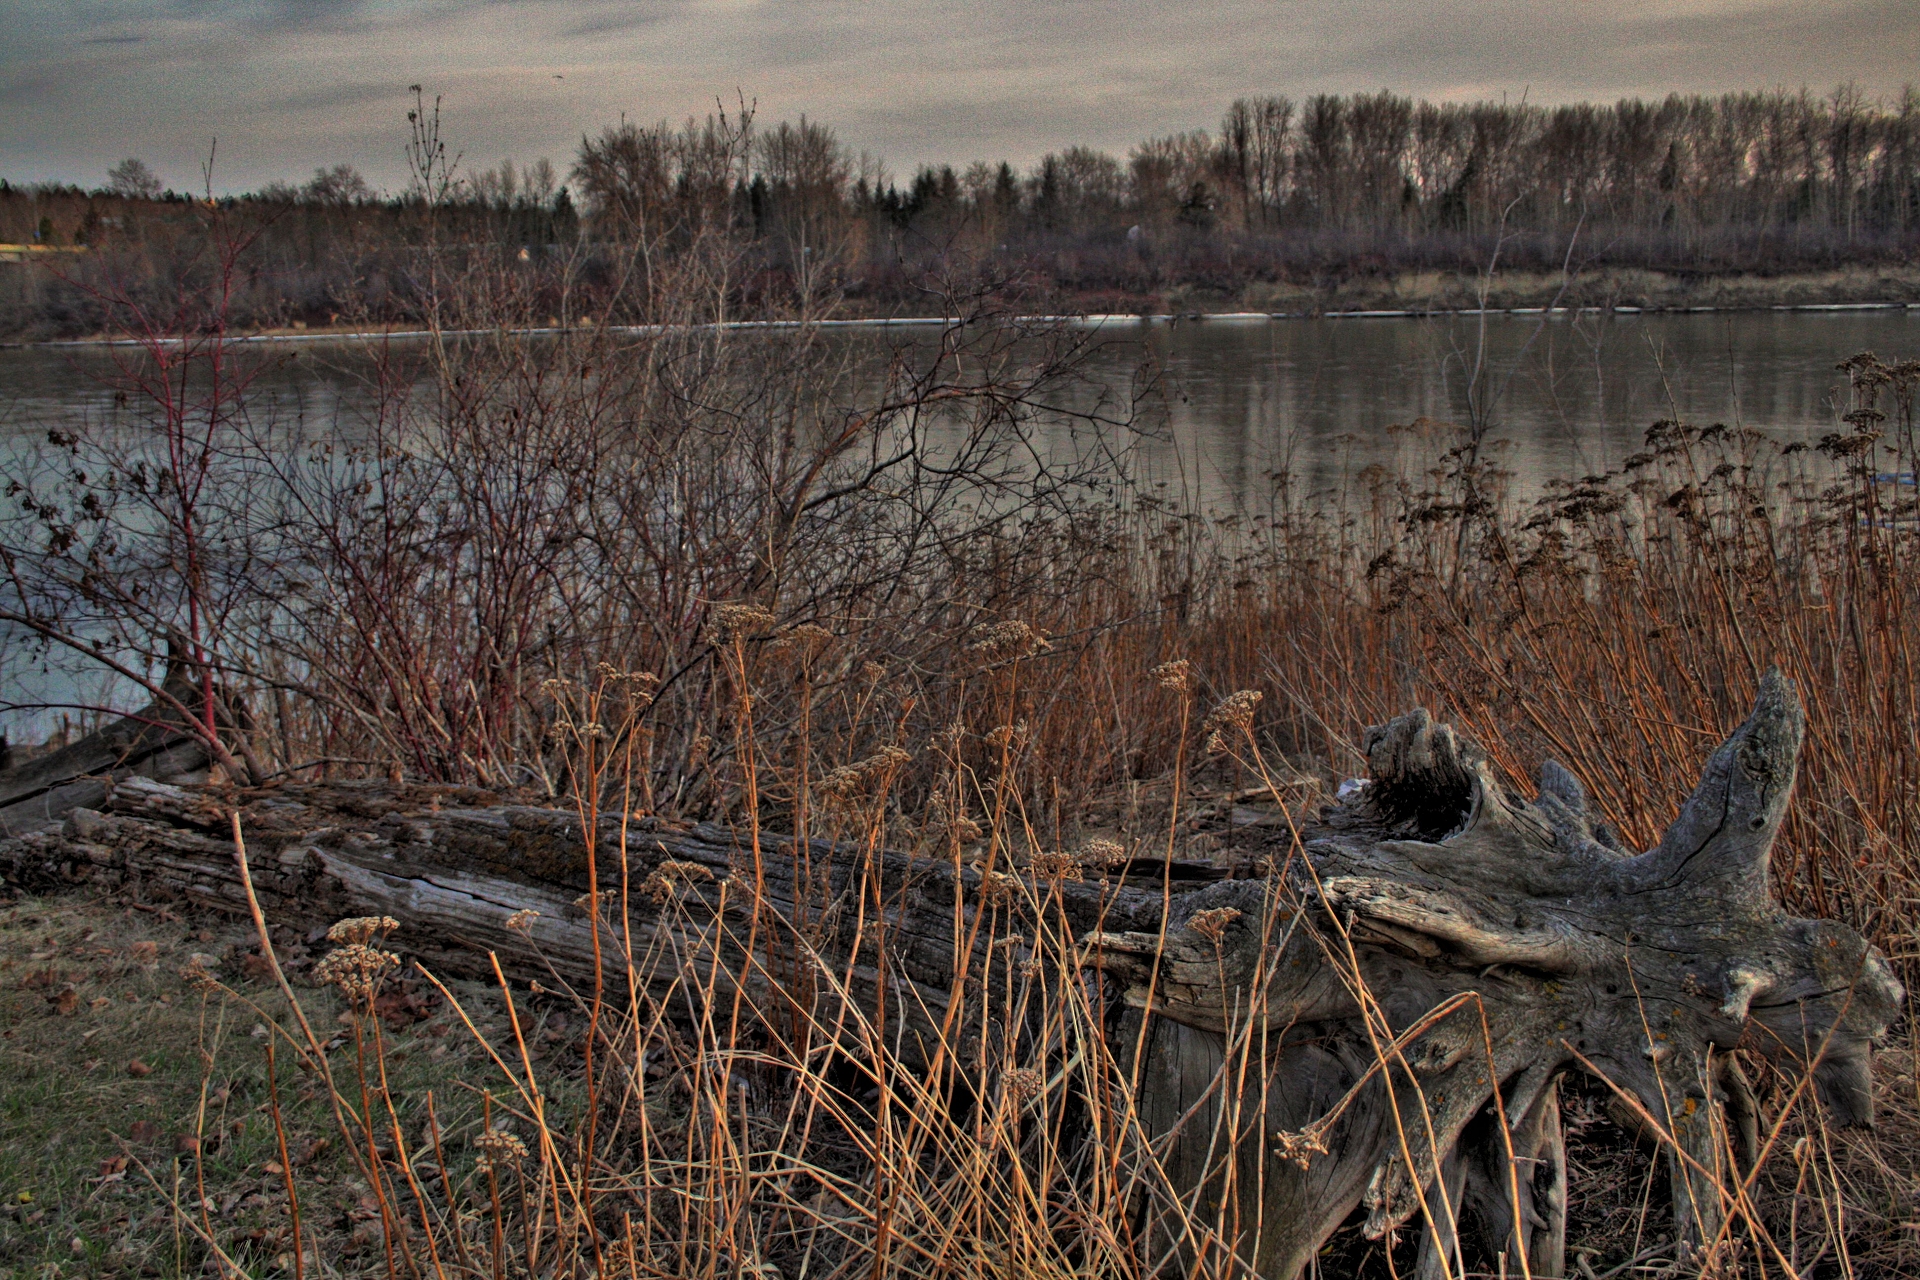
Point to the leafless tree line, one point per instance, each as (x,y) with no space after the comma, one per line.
(1767,182)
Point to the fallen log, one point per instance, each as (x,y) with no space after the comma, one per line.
(39,792)
(1379,1022)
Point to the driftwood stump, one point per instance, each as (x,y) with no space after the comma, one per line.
(1380,1021)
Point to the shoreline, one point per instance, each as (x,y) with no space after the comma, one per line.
(1089,320)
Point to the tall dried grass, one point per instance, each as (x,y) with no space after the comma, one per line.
(872,600)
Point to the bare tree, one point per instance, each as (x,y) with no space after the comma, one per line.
(132,180)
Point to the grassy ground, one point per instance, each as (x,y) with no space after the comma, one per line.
(134,1107)
(137,1119)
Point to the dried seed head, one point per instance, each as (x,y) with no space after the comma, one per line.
(1103,853)
(356,969)
(957,827)
(737,622)
(198,976)
(1055,864)
(670,877)
(362,929)
(1010,737)
(1025,1083)
(1176,675)
(499,1149)
(1007,641)
(850,783)
(998,886)
(640,682)
(1300,1147)
(521,921)
(803,641)
(1231,719)
(1212,923)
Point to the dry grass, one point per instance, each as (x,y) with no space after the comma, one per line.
(515,581)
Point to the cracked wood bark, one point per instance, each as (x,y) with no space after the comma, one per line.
(1478,943)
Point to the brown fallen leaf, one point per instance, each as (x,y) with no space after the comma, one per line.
(402,1008)
(185,1144)
(274,1167)
(99,1002)
(112,1165)
(145,954)
(66,1003)
(138,1069)
(311,1152)
(144,1131)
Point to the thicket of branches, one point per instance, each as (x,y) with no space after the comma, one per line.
(1280,192)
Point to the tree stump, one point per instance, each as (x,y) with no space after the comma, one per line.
(1381,1021)
(1547,946)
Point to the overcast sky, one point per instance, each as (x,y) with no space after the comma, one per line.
(288,85)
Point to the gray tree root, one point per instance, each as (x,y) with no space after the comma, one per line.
(1379,1024)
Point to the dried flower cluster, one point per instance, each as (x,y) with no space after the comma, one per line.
(641,682)
(361,929)
(1054,864)
(521,921)
(1176,675)
(1300,1147)
(850,783)
(998,886)
(670,877)
(197,976)
(733,622)
(1025,1083)
(1232,718)
(1103,853)
(1212,923)
(957,827)
(1007,641)
(499,1149)
(1010,737)
(803,641)
(357,969)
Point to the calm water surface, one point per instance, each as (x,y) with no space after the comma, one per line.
(1236,400)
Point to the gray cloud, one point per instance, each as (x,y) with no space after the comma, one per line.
(290,84)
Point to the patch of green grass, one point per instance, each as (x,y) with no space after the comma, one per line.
(131,1101)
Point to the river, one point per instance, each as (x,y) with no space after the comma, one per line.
(1238,399)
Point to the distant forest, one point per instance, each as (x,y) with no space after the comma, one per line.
(1368,197)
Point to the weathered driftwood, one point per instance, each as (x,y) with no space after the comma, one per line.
(1564,951)
(42,790)
(1479,944)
